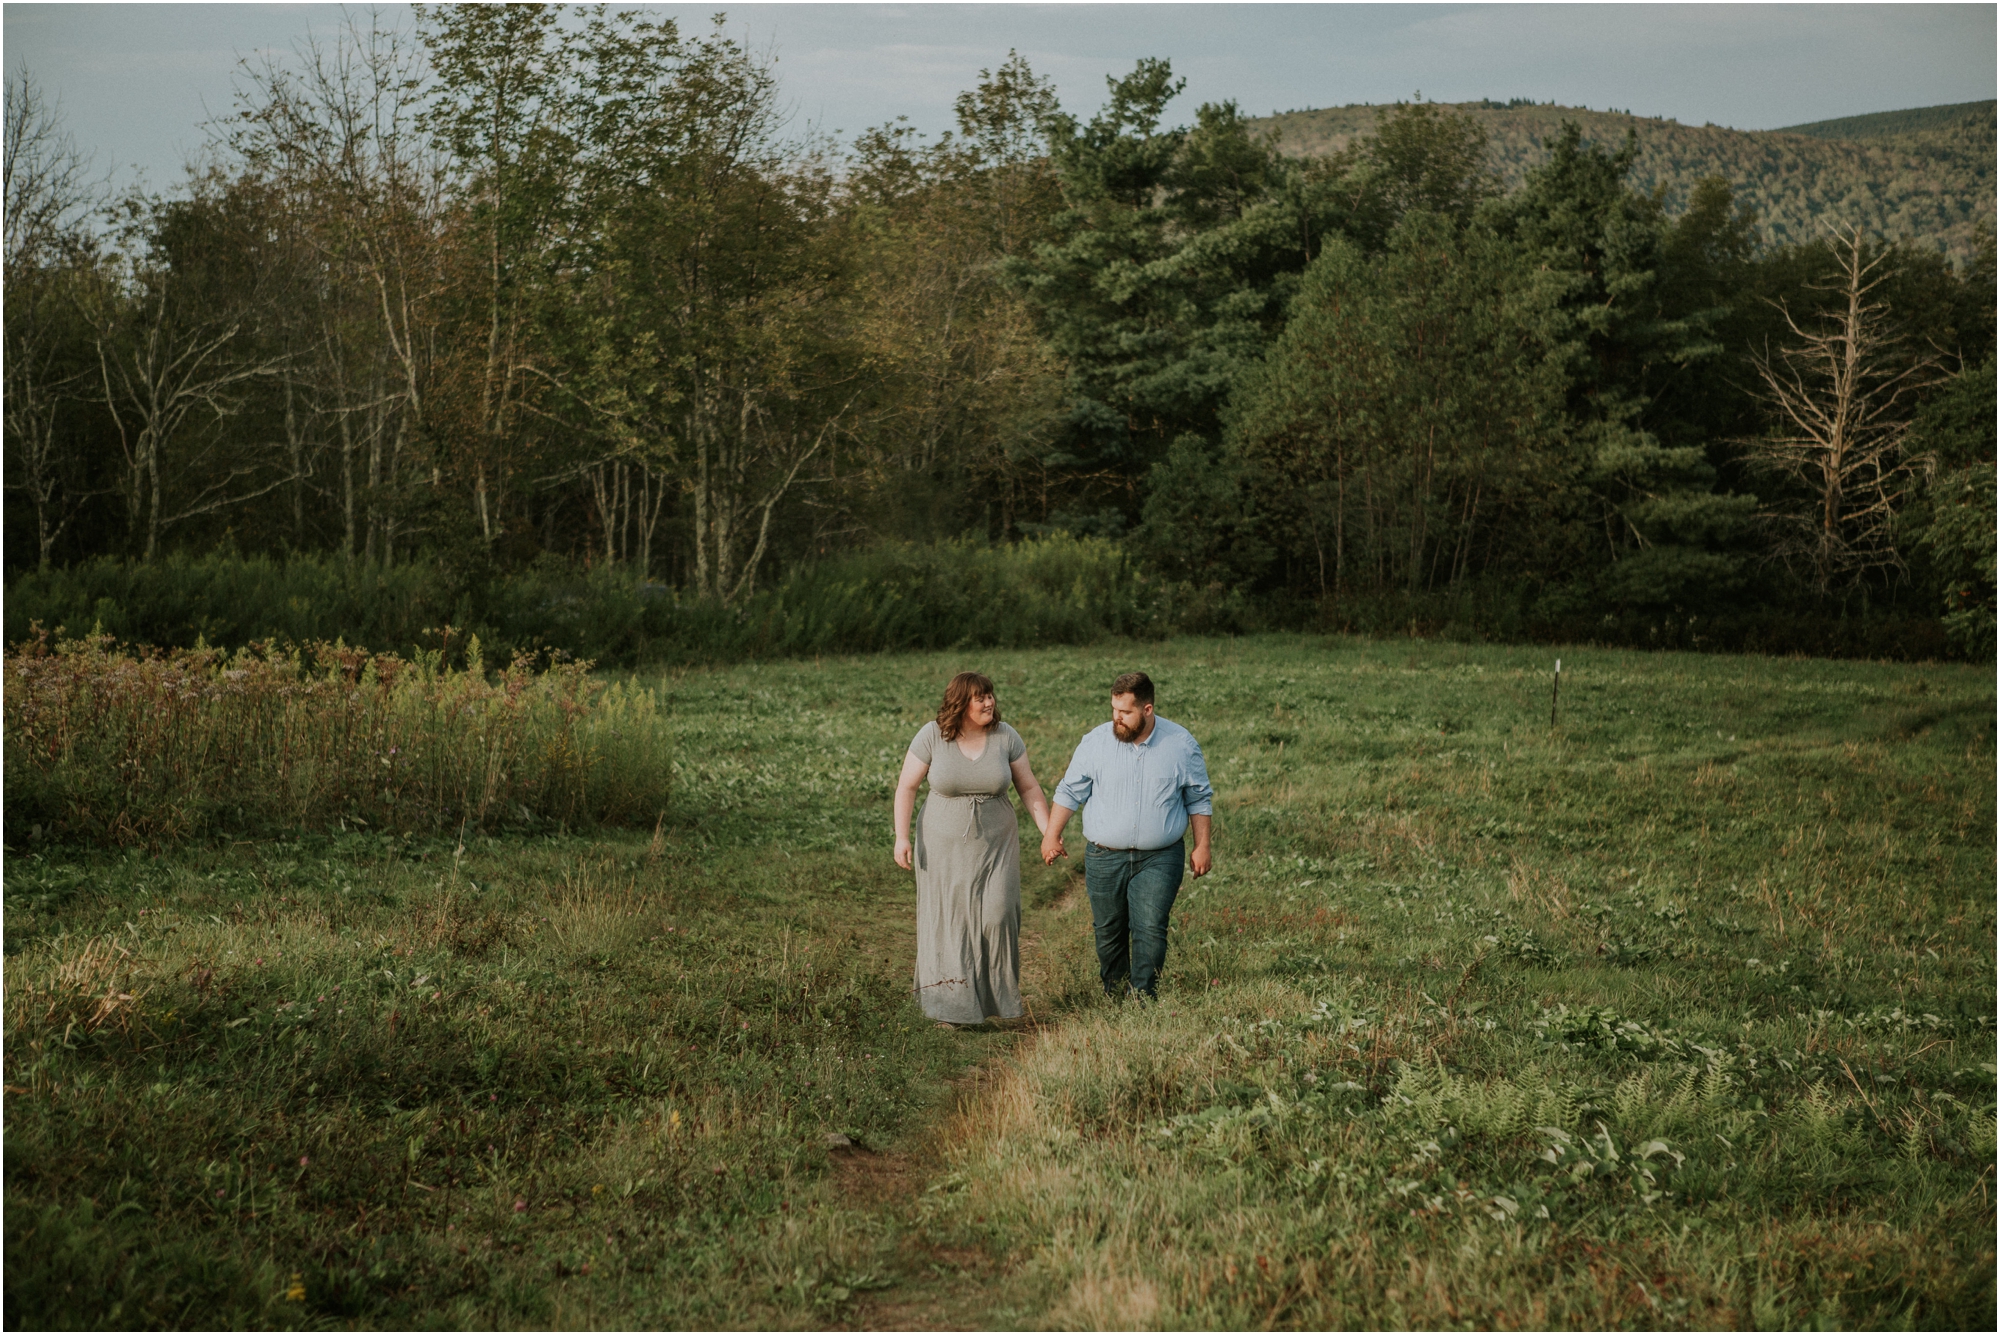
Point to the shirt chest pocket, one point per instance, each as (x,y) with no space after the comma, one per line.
(1164,788)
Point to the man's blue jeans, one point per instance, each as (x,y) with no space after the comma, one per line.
(1131,893)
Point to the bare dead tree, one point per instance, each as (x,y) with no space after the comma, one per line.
(47,253)
(1841,398)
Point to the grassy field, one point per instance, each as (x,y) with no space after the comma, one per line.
(1679,1014)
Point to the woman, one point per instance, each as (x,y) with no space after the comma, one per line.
(967,855)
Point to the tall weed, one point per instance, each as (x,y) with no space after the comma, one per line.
(109,746)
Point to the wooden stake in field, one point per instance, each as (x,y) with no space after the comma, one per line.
(1555,691)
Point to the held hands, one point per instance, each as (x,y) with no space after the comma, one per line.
(1052,847)
(1052,841)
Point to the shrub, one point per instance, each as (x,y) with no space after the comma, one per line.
(1055,590)
(117,747)
(232,601)
(1497,613)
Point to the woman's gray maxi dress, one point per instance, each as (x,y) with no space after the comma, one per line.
(968,855)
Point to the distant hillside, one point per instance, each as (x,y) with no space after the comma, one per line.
(1882,124)
(1924,175)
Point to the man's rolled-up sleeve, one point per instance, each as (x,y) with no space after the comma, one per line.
(1074,790)
(1196,795)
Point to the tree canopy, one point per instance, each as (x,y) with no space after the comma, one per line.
(532,289)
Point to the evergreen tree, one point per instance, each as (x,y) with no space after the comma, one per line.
(1950,527)
(1663,536)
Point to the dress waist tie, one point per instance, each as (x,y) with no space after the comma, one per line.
(973,802)
(973,816)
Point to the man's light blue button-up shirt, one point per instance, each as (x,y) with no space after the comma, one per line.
(1140,794)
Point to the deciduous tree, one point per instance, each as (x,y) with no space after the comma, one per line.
(332,137)
(178,352)
(1406,430)
(49,261)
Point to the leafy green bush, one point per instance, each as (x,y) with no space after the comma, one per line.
(231,601)
(1061,589)
(1495,612)
(1055,590)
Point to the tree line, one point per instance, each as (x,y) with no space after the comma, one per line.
(541,290)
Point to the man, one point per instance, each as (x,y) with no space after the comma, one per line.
(1146,785)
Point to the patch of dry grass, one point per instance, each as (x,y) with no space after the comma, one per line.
(119,747)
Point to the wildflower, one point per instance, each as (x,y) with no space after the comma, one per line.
(520,1206)
(303,1161)
(296,1293)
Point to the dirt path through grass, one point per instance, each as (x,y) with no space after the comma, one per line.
(948,1284)
(935,1285)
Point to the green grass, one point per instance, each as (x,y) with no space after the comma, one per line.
(1682,1014)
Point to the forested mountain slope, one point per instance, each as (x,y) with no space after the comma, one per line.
(1887,124)
(1922,175)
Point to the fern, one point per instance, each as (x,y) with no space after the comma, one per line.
(1432,1097)
(1983,1137)
(1916,1137)
(1630,1096)
(1715,1083)
(1684,1097)
(1820,1114)
(1556,1107)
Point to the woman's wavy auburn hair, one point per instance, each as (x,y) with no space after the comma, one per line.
(958,697)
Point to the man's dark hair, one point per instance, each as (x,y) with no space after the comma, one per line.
(1135,684)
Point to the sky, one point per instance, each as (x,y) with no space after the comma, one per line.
(136,82)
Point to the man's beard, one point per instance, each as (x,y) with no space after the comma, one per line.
(1125,734)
